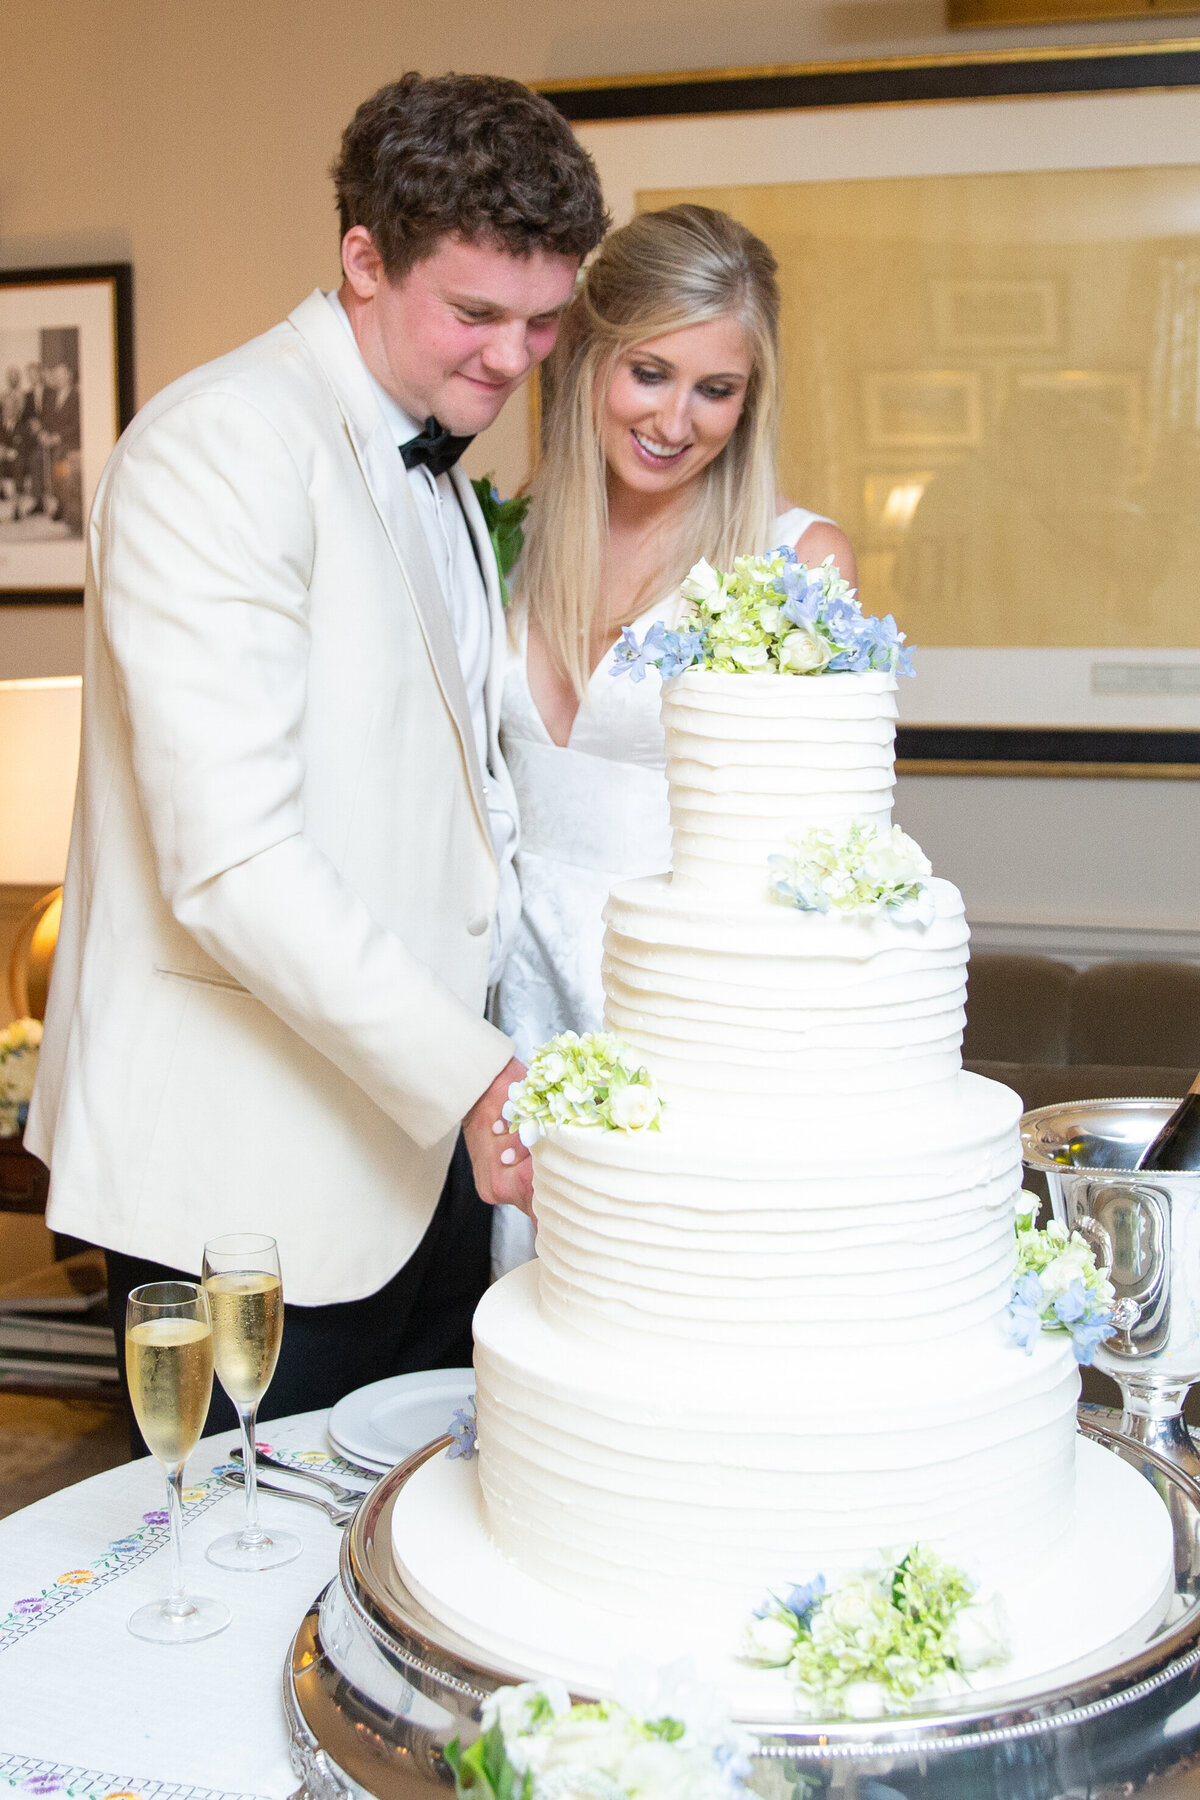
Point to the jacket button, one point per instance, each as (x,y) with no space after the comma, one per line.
(478,925)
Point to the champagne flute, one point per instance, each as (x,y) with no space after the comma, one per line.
(245,1292)
(169,1368)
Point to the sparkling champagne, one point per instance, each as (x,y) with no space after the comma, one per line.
(169,1364)
(247,1322)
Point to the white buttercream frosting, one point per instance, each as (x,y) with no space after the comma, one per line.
(631,1474)
(768,1338)
(751,758)
(754,1006)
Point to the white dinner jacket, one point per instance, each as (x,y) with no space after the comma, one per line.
(267,1003)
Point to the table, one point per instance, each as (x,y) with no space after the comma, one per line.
(88,1710)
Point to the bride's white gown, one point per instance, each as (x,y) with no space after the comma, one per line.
(593,812)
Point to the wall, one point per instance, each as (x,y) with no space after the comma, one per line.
(194,142)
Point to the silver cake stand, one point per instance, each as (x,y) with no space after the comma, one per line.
(375,1688)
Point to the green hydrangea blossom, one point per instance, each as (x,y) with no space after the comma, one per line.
(590,1080)
(911,1628)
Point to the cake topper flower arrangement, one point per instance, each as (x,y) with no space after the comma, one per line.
(770,615)
(663,1736)
(1057,1287)
(590,1080)
(864,868)
(911,1628)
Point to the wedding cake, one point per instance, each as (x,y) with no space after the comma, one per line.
(767,1334)
(767,1338)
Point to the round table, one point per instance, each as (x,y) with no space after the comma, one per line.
(89,1710)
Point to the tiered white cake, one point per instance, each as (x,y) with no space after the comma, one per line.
(768,1340)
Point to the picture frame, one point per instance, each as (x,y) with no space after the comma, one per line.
(1113,708)
(922,409)
(66,394)
(1010,315)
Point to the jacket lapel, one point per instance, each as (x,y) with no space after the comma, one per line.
(486,556)
(379,459)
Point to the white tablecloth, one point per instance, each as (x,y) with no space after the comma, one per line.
(88,1710)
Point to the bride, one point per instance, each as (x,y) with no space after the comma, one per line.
(659,444)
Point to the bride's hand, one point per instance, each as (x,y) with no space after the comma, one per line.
(502,1165)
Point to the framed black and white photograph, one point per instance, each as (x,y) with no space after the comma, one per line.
(66,393)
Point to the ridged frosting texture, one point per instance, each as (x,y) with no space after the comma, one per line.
(623,1481)
(761,1011)
(768,1338)
(901,1235)
(751,758)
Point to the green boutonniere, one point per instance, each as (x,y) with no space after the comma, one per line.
(504,519)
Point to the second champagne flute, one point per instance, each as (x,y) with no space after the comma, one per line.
(245,1295)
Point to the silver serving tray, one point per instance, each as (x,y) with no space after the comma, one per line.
(375,1688)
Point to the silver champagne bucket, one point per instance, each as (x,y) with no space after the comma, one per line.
(1144,1230)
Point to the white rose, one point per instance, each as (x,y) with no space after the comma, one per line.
(864,1699)
(509,1707)
(633,1108)
(979,1635)
(1057,1277)
(804,652)
(590,1743)
(769,1642)
(702,583)
(851,1607)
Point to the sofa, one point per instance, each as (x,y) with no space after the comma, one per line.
(1053,1032)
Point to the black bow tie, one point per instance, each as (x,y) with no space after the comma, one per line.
(434,447)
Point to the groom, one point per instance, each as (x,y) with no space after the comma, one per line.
(290,879)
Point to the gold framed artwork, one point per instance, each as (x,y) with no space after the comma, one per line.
(922,409)
(971,315)
(992,356)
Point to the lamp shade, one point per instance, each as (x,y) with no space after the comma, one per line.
(39,757)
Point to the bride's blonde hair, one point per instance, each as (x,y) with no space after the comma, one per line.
(663,271)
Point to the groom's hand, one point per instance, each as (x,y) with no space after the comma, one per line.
(502,1165)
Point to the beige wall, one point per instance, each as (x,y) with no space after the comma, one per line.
(193,140)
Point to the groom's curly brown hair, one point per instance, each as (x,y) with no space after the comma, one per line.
(474,156)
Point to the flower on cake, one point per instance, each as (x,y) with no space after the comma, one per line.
(863,868)
(463,1430)
(1057,1287)
(590,1080)
(768,615)
(19,1044)
(907,1629)
(663,1737)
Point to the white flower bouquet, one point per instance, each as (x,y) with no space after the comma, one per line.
(768,615)
(588,1080)
(661,1738)
(1057,1287)
(19,1043)
(865,868)
(910,1629)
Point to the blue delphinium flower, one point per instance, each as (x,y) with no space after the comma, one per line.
(631,658)
(887,647)
(1025,1311)
(1088,1320)
(804,1601)
(676,650)
(462,1430)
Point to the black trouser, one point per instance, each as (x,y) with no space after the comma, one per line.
(421,1319)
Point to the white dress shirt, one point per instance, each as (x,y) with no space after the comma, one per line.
(453,552)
